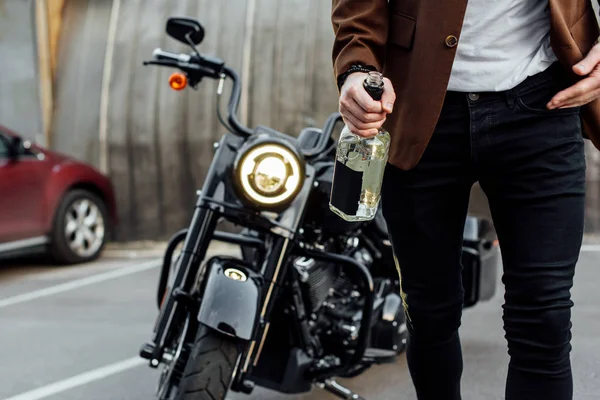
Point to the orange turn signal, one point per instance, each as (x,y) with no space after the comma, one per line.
(178,81)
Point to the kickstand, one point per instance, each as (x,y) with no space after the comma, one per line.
(338,390)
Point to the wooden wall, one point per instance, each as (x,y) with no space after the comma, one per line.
(159,142)
(78,78)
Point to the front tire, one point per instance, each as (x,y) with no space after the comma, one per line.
(80,228)
(210,368)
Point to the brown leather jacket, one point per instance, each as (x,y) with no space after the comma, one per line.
(413,43)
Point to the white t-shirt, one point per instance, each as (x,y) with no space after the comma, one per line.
(502,43)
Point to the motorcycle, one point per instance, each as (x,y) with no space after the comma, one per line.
(312,297)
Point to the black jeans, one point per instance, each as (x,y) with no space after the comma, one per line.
(530,163)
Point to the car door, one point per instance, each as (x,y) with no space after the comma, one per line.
(21,193)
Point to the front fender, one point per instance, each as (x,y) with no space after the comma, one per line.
(231,297)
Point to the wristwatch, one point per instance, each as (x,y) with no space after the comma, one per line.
(353,68)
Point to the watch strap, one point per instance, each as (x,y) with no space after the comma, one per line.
(353,68)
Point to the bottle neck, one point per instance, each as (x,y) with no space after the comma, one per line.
(374,79)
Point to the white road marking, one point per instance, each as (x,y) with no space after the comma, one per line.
(80,380)
(590,247)
(77,283)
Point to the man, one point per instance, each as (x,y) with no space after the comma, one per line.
(497,92)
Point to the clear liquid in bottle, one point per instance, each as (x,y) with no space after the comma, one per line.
(359,167)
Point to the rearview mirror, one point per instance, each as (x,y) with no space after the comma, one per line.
(186,30)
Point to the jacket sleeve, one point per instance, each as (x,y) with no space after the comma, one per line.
(361,30)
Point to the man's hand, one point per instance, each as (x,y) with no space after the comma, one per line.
(587,89)
(363,115)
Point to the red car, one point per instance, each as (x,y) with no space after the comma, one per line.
(51,202)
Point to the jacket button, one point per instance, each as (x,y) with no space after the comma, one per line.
(451,41)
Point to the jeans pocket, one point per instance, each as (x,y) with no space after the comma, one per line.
(535,101)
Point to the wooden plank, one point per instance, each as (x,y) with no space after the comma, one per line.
(121,148)
(200,119)
(55,9)
(264,76)
(324,94)
(312,21)
(224,24)
(292,84)
(247,51)
(141,129)
(44,68)
(293,43)
(171,135)
(78,79)
(107,74)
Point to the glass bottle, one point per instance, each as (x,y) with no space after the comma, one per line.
(359,166)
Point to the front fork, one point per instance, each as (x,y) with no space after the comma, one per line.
(171,299)
(165,271)
(194,250)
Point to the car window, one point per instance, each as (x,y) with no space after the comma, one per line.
(3,146)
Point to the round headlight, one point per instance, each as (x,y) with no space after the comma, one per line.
(269,174)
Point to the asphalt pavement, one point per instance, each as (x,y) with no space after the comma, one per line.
(73,333)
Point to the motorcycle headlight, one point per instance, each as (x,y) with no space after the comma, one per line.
(269,175)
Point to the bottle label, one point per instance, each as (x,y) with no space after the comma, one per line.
(346,188)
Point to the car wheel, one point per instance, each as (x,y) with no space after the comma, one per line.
(80,228)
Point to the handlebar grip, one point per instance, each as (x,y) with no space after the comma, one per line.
(165,55)
(164,63)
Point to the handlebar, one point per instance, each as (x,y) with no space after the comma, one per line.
(164,63)
(197,67)
(328,128)
(234,101)
(165,55)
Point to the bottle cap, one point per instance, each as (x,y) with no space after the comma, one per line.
(373,84)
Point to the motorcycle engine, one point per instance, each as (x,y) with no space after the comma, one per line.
(333,301)
(318,281)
